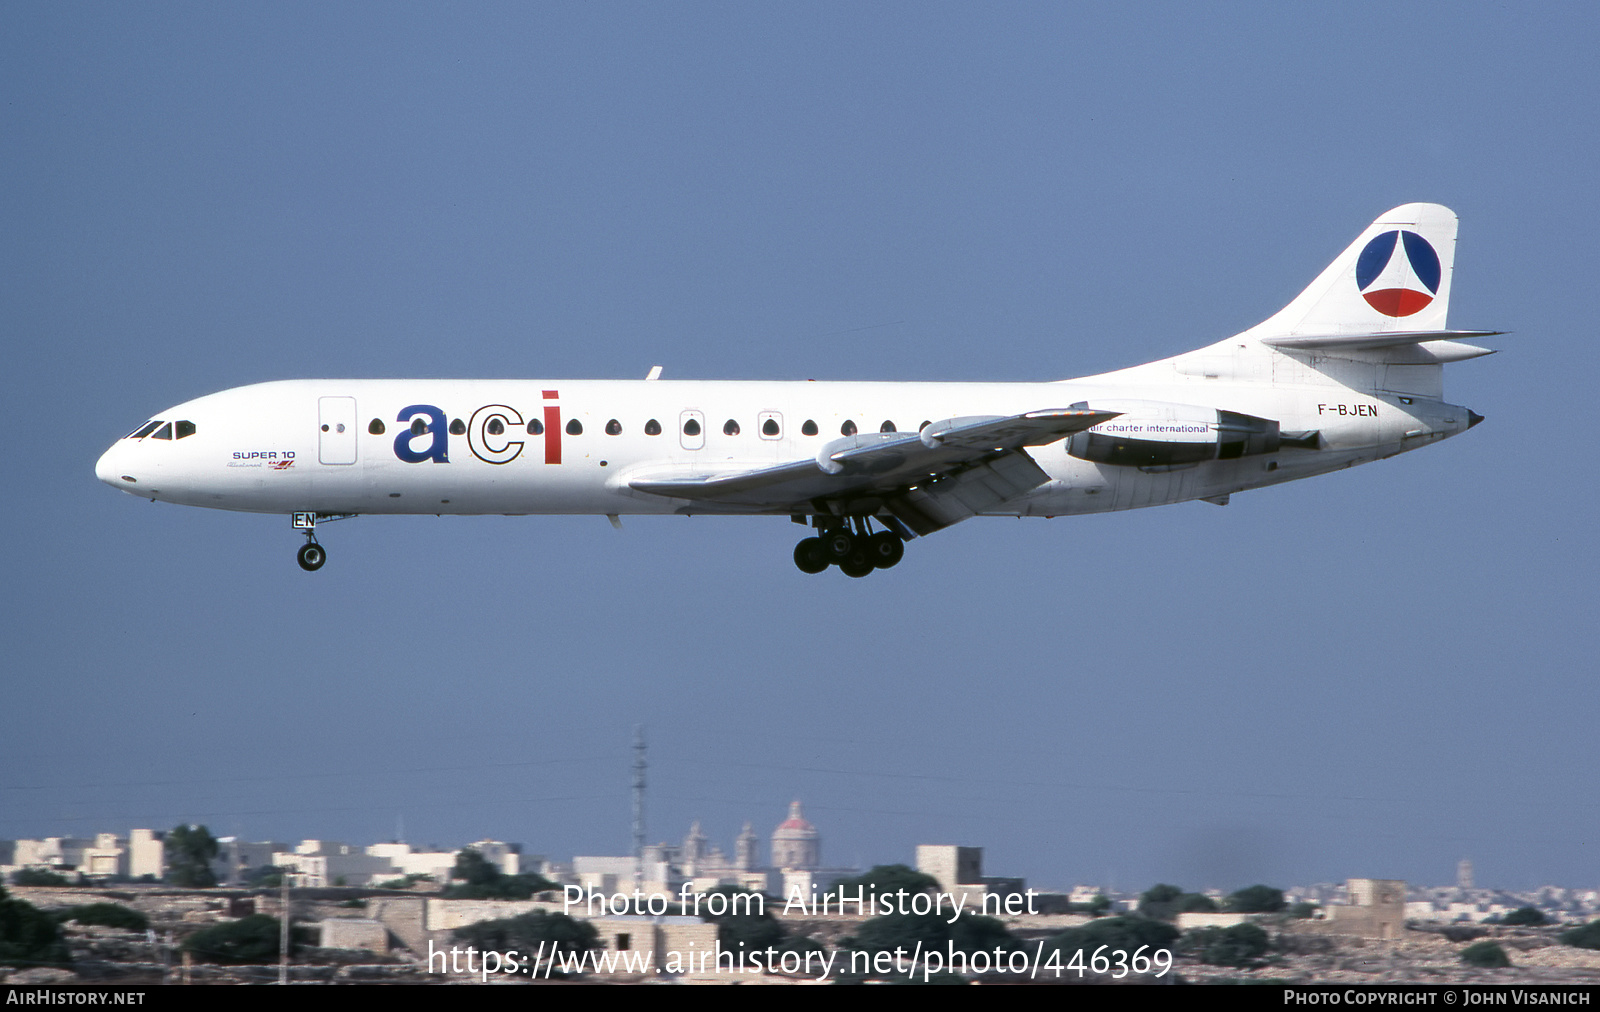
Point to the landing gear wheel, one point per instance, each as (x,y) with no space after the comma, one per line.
(885,549)
(808,556)
(857,566)
(838,545)
(311,556)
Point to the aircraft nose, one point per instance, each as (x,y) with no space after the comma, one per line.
(109,469)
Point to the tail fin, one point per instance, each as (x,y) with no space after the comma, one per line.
(1393,280)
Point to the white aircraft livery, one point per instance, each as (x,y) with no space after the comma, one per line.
(1350,371)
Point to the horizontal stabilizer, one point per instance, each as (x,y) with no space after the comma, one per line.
(1391,339)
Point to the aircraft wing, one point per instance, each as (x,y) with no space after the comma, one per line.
(949,471)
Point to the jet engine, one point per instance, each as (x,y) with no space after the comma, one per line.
(1154,435)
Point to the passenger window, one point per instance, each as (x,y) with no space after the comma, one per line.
(574,428)
(375,426)
(165,432)
(145,429)
(809,428)
(418,427)
(731,429)
(691,428)
(458,428)
(887,426)
(535,428)
(496,427)
(848,428)
(769,427)
(652,428)
(185,428)
(613,428)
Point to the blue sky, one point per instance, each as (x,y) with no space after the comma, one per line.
(1373,673)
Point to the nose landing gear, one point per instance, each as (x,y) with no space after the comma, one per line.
(312,555)
(856,553)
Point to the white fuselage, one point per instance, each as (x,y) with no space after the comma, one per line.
(316,445)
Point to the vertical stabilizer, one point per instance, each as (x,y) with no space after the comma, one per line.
(1395,278)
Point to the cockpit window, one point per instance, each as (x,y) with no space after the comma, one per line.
(145,429)
(185,428)
(165,432)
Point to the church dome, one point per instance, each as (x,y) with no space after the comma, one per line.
(796,843)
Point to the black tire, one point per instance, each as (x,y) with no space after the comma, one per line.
(885,549)
(311,557)
(857,565)
(838,545)
(808,556)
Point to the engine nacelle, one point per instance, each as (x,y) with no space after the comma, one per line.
(1157,435)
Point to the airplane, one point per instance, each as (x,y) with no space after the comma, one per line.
(1350,371)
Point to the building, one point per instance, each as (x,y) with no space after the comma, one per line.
(700,865)
(960,870)
(1376,908)
(796,844)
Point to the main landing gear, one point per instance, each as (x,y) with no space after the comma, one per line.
(856,553)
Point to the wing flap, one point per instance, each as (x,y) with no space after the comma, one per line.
(892,463)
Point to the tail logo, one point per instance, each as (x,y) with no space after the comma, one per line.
(1398,285)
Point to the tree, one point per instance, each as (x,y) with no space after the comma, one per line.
(252,939)
(1585,937)
(1257,899)
(37,877)
(190,851)
(1125,933)
(1097,907)
(1163,902)
(968,933)
(1485,954)
(111,915)
(1196,903)
(1240,945)
(266,876)
(554,933)
(1528,917)
(885,879)
(474,869)
(28,935)
(746,927)
(484,881)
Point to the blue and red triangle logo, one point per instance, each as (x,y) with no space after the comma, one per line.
(1398,285)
